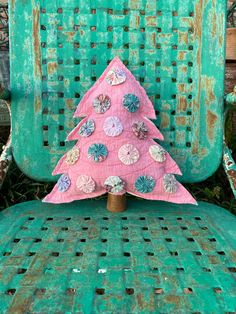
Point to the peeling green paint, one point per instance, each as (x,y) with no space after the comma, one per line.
(176,51)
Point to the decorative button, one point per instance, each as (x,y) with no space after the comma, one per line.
(140,129)
(145,184)
(72,156)
(97,152)
(131,102)
(170,183)
(116,77)
(85,184)
(112,126)
(101,103)
(87,128)
(114,184)
(157,153)
(128,154)
(63,183)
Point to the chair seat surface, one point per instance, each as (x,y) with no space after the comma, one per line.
(154,258)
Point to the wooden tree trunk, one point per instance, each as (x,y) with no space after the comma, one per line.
(116,203)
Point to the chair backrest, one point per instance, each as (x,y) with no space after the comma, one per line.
(174,48)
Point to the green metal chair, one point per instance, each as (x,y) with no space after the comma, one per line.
(156,257)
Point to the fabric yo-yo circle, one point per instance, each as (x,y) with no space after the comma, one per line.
(116,77)
(85,184)
(87,128)
(114,184)
(112,126)
(128,154)
(101,103)
(72,156)
(145,184)
(170,183)
(131,102)
(97,152)
(140,129)
(157,153)
(63,183)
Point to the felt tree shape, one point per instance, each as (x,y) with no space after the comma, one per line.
(115,150)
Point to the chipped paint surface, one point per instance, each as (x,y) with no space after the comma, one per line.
(57,256)
(211,124)
(37,104)
(208,84)
(36,40)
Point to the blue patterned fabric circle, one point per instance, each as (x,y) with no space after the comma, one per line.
(87,128)
(145,184)
(97,152)
(63,183)
(131,102)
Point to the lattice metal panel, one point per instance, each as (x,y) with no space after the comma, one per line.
(156,45)
(171,47)
(79,258)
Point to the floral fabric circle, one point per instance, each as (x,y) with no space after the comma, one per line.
(114,184)
(140,129)
(116,77)
(157,153)
(63,183)
(145,184)
(97,152)
(72,156)
(128,154)
(85,184)
(112,126)
(131,102)
(170,183)
(101,103)
(87,128)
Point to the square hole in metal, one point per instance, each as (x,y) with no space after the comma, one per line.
(190,239)
(129,291)
(212,239)
(31,253)
(78,254)
(217,290)
(55,254)
(158,291)
(11,291)
(21,270)
(188,290)
(7,253)
(71,291)
(100,291)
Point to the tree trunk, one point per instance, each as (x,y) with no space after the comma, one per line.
(116,203)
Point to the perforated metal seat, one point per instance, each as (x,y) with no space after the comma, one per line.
(156,257)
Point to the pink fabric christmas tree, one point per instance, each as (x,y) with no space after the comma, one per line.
(115,150)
